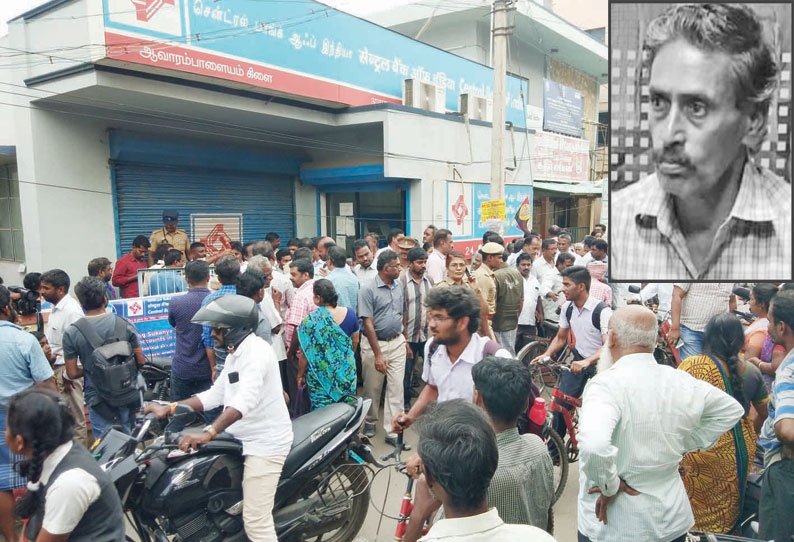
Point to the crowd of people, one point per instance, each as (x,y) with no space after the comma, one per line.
(435,335)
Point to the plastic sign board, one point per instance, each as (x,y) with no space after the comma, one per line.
(299,47)
(149,315)
(562,108)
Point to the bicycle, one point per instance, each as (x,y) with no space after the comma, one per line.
(542,377)
(407,504)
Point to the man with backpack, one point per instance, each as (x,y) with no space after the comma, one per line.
(107,347)
(586,319)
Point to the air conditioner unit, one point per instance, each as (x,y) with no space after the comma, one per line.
(477,107)
(424,95)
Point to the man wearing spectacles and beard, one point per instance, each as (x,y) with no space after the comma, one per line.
(453,317)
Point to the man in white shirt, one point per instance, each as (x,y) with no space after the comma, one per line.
(587,319)
(453,317)
(565,245)
(544,264)
(460,455)
(65,312)
(551,288)
(637,420)
(392,241)
(362,255)
(249,388)
(532,309)
(437,260)
(664,292)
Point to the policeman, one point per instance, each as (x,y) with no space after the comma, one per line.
(170,234)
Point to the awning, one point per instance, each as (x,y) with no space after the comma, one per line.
(574,189)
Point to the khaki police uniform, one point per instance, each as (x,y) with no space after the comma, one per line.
(179,240)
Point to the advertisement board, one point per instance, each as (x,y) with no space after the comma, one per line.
(303,48)
(559,158)
(468,229)
(149,315)
(562,108)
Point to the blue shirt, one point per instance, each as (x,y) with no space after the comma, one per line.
(206,335)
(23,361)
(167,282)
(780,406)
(190,359)
(346,285)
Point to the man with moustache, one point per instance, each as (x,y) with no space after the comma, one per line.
(637,420)
(709,212)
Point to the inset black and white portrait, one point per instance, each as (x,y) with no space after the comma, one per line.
(700,142)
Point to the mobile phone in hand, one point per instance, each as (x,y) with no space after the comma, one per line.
(468,274)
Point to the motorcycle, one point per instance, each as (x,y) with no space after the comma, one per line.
(157,374)
(167,493)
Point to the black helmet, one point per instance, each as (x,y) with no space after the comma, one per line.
(238,315)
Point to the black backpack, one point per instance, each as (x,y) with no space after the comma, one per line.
(596,314)
(112,367)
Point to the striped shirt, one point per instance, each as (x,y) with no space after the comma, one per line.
(414,310)
(637,421)
(302,305)
(753,243)
(780,406)
(702,301)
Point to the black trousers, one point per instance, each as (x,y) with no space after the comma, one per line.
(776,510)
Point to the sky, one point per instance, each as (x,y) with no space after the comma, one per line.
(11,8)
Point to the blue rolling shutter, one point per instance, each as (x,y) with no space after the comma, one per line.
(144,189)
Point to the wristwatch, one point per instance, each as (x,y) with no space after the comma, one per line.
(211,430)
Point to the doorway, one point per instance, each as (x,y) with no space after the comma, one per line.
(352,215)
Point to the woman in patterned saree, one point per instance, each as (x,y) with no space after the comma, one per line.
(328,337)
(715,479)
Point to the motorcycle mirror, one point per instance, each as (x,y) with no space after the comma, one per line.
(634,289)
(744,293)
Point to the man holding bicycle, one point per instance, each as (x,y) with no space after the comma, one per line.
(587,319)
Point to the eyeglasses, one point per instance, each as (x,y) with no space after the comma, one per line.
(437,318)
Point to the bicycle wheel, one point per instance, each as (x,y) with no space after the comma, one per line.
(543,377)
(559,458)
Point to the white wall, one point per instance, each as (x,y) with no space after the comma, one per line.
(65,190)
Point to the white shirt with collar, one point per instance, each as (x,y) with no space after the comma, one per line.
(283,284)
(69,496)
(365,274)
(531,294)
(588,338)
(637,420)
(664,290)
(251,384)
(541,268)
(485,527)
(453,380)
(65,313)
(273,316)
(436,267)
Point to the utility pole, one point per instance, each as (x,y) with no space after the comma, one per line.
(501,31)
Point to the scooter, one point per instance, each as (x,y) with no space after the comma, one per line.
(323,491)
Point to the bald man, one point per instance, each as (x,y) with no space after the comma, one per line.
(637,421)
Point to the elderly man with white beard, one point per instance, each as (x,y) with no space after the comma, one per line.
(637,420)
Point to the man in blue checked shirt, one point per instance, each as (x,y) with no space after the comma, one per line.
(777,436)
(227,270)
(24,365)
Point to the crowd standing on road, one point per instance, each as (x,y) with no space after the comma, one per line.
(436,337)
